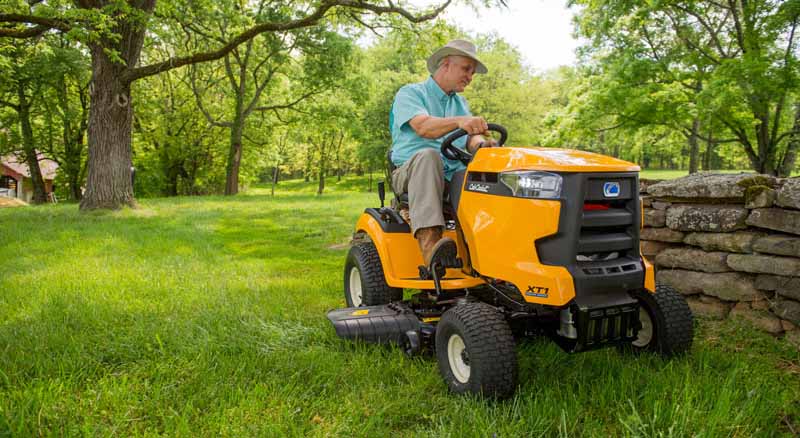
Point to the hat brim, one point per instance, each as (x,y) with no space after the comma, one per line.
(433,60)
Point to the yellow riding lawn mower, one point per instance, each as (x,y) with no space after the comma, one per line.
(548,244)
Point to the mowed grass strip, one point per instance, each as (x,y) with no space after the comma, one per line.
(206,316)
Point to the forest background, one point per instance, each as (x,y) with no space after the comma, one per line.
(220,95)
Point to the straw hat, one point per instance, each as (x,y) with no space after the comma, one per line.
(456,47)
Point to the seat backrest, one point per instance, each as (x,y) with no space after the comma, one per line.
(402,198)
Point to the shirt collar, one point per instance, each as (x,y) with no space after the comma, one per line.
(436,90)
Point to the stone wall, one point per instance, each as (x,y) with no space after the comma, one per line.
(730,244)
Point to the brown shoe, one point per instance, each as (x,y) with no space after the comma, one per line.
(437,250)
(427,238)
(445,255)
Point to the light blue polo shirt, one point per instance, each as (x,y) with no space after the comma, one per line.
(424,98)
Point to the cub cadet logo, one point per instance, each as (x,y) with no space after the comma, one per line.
(475,187)
(611,189)
(537,291)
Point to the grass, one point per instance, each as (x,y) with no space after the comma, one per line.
(206,316)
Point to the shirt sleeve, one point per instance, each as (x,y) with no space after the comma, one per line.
(408,103)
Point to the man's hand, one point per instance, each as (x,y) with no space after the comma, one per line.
(473,125)
(489,143)
(478,141)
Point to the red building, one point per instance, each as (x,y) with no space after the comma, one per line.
(15,177)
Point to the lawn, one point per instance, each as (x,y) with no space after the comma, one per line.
(206,316)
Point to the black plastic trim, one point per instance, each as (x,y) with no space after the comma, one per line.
(389,220)
(487,183)
(456,183)
(613,217)
(604,242)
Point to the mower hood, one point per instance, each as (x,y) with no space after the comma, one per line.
(547,159)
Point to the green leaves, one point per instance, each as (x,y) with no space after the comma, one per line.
(668,63)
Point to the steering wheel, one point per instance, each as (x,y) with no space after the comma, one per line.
(455,153)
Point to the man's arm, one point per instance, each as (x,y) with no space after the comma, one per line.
(434,127)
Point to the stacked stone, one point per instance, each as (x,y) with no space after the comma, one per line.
(731,244)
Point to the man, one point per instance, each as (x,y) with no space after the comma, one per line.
(422,115)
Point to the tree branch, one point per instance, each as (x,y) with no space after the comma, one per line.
(782,100)
(43,24)
(688,41)
(712,33)
(784,135)
(8,104)
(199,100)
(133,74)
(288,104)
(748,148)
(733,7)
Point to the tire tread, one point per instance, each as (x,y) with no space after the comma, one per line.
(375,291)
(491,346)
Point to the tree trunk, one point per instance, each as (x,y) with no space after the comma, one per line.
(321,185)
(275,174)
(790,157)
(72,161)
(109,184)
(708,157)
(234,158)
(694,149)
(173,174)
(31,157)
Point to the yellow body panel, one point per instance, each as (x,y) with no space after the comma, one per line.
(500,248)
(401,264)
(546,159)
(649,276)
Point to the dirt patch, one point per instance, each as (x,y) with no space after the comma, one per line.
(11,202)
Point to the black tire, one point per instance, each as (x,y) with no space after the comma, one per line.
(488,359)
(671,321)
(363,264)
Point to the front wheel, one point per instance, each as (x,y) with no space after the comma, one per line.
(475,351)
(667,323)
(364,282)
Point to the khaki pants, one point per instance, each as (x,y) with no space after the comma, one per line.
(422,177)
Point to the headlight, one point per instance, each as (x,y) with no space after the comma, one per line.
(526,184)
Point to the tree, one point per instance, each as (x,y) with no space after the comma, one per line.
(264,63)
(174,142)
(23,90)
(678,63)
(115,31)
(67,84)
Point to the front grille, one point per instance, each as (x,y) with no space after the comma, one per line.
(598,235)
(607,226)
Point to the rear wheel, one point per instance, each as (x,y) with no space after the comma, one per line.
(364,282)
(475,351)
(667,323)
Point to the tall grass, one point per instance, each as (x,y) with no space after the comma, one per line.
(206,316)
